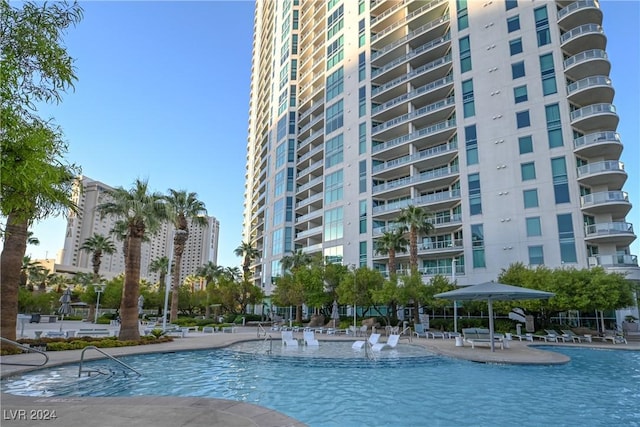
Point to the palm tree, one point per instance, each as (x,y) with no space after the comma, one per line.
(295,260)
(98,245)
(27,269)
(31,240)
(143,212)
(249,253)
(209,271)
(415,220)
(390,243)
(160,265)
(182,206)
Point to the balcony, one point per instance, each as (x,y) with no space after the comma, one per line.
(605,145)
(423,75)
(615,203)
(424,159)
(309,200)
(311,168)
(421,139)
(613,260)
(580,13)
(423,34)
(433,178)
(610,173)
(434,112)
(595,117)
(593,89)
(308,233)
(584,37)
(428,272)
(593,62)
(620,233)
(402,22)
(435,201)
(313,184)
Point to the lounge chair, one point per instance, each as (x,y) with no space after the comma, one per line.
(480,335)
(419,330)
(613,337)
(435,334)
(310,338)
(558,336)
(525,337)
(547,338)
(568,334)
(288,340)
(373,340)
(392,342)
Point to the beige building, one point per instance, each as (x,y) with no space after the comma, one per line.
(201,248)
(497,117)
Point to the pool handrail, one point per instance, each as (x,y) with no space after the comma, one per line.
(93,347)
(28,349)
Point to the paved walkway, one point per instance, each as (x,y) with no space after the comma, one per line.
(195,412)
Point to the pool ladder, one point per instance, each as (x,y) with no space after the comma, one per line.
(268,339)
(28,349)
(98,371)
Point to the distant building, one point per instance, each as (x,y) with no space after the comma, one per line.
(201,247)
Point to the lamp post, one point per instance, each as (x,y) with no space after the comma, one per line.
(455,303)
(168,280)
(99,288)
(355,298)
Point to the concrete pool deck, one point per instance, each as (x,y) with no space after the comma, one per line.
(195,412)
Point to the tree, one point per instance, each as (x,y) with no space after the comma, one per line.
(209,271)
(249,253)
(36,182)
(98,245)
(143,212)
(182,206)
(390,243)
(160,265)
(295,260)
(415,220)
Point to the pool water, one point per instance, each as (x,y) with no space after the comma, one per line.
(403,387)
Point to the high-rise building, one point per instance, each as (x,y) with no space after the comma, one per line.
(497,117)
(201,247)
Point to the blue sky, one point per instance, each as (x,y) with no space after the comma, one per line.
(163,95)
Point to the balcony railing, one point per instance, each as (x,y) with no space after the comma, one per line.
(614,260)
(596,138)
(608,228)
(585,56)
(430,152)
(444,60)
(407,18)
(588,82)
(417,113)
(422,89)
(583,29)
(590,110)
(422,177)
(438,127)
(409,36)
(598,167)
(580,4)
(418,201)
(604,197)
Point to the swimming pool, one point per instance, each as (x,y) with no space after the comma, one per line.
(597,388)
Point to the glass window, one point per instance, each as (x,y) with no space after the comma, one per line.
(363,216)
(334,151)
(536,255)
(362,170)
(334,117)
(548,72)
(525,144)
(530,198)
(471,142)
(517,70)
(362,138)
(362,101)
(522,119)
(542,25)
(362,66)
(335,84)
(465,54)
(333,224)
(469,108)
(278,242)
(533,227)
(475,201)
(513,23)
(528,171)
(520,94)
(510,4)
(463,15)
(554,128)
(477,244)
(560,180)
(515,46)
(567,238)
(333,186)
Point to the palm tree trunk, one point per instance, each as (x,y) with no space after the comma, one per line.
(129,328)
(413,236)
(15,245)
(175,283)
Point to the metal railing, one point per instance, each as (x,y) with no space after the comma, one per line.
(28,349)
(89,371)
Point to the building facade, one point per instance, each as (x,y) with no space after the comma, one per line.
(201,247)
(496,117)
